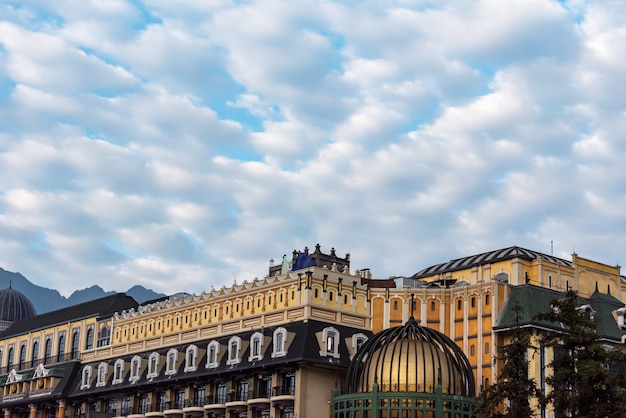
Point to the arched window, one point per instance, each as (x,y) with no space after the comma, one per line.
(190,358)
(135,369)
(213,350)
(48,351)
(153,365)
(256,347)
(234,345)
(22,363)
(172,359)
(331,343)
(104,336)
(61,347)
(357,341)
(35,353)
(279,342)
(86,378)
(118,371)
(10,358)
(103,369)
(89,339)
(75,342)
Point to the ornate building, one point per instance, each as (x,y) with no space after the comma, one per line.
(278,346)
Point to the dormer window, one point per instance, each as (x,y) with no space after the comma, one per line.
(213,350)
(172,358)
(103,369)
(234,345)
(135,368)
(190,358)
(118,371)
(86,378)
(153,366)
(330,338)
(256,347)
(279,341)
(357,341)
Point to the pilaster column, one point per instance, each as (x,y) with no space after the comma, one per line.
(61,410)
(7,412)
(33,410)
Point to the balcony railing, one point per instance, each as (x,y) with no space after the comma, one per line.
(219,398)
(238,396)
(284,390)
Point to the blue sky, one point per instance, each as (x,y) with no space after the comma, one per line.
(181,145)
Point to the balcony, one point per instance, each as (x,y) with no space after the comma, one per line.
(283,393)
(237,401)
(155,410)
(215,403)
(138,411)
(174,407)
(260,396)
(194,407)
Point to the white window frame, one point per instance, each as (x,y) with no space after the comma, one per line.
(256,337)
(212,364)
(279,350)
(327,350)
(191,356)
(135,369)
(355,340)
(86,377)
(233,354)
(153,371)
(118,371)
(170,365)
(103,370)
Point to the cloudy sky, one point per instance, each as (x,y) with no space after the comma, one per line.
(182,144)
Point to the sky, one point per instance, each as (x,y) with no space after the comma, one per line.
(181,145)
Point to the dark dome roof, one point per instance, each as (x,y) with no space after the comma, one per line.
(14,306)
(411,358)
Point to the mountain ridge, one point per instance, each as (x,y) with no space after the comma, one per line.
(47,300)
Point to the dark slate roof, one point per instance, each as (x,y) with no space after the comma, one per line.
(303,347)
(535,299)
(105,306)
(14,306)
(488,258)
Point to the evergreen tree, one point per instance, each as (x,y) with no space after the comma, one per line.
(511,395)
(582,381)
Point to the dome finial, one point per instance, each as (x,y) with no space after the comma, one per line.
(10,284)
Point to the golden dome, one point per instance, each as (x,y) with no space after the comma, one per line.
(411,358)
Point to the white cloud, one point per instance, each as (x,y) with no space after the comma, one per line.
(184,146)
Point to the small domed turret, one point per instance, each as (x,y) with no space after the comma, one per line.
(14,306)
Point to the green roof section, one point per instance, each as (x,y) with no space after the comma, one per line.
(534,299)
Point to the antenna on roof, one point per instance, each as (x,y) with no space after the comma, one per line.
(551,247)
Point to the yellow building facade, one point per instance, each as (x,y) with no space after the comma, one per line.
(267,348)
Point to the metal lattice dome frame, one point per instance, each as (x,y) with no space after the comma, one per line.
(407,371)
(411,358)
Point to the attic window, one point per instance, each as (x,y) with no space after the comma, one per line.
(172,358)
(213,350)
(256,346)
(280,339)
(190,358)
(135,367)
(234,345)
(118,370)
(103,368)
(330,340)
(85,383)
(153,362)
